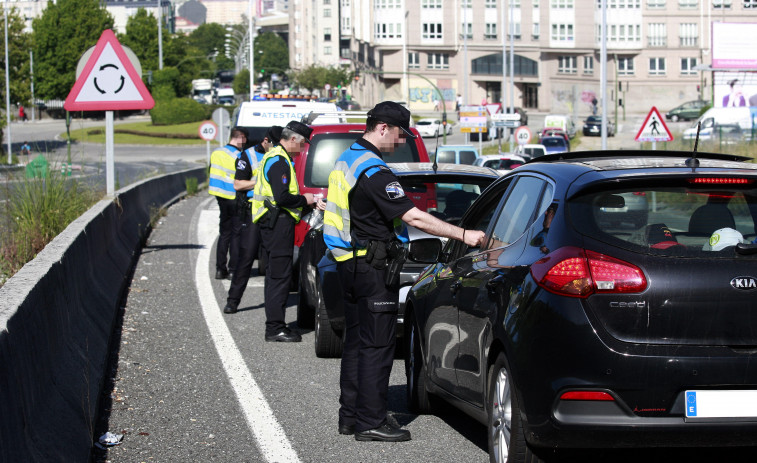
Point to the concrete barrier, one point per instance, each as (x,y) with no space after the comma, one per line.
(56,319)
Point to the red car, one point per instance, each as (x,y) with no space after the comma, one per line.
(552,132)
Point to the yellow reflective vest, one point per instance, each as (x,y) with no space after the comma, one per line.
(263,191)
(222,168)
(336,219)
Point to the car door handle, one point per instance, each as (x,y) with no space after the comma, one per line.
(455,287)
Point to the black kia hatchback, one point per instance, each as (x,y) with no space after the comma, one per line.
(572,327)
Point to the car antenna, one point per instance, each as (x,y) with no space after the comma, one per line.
(435,165)
(693,162)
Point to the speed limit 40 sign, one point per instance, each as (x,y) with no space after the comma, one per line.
(522,135)
(208,130)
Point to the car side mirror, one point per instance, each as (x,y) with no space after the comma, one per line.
(425,250)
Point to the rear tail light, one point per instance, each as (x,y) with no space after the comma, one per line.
(587,395)
(640,193)
(431,205)
(720,181)
(576,272)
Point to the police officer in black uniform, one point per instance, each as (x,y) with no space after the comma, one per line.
(371,303)
(275,177)
(249,237)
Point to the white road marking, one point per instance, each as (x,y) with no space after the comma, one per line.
(268,433)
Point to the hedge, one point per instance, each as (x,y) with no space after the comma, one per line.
(177,111)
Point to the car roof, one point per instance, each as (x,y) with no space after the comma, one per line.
(489,157)
(634,159)
(427,168)
(551,138)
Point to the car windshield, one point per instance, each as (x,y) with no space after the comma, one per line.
(596,119)
(681,220)
(327,147)
(424,123)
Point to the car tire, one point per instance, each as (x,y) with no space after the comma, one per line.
(507,439)
(305,311)
(674,118)
(328,343)
(419,400)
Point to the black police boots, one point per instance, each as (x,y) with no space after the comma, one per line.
(384,433)
(285,335)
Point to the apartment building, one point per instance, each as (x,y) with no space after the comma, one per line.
(405,49)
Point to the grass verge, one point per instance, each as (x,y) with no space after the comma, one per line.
(37,210)
(160,134)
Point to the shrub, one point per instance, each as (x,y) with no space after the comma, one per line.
(191,184)
(177,111)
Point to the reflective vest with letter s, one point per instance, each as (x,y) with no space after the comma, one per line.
(263,191)
(336,219)
(222,168)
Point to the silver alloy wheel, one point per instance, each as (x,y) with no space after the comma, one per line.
(501,416)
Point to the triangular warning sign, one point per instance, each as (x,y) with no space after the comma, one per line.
(109,81)
(654,128)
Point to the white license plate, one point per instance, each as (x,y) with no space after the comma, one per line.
(736,404)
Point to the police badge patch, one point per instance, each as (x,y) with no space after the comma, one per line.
(284,179)
(394,190)
(241,164)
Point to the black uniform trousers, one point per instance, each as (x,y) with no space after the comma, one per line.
(278,243)
(370,312)
(249,242)
(228,239)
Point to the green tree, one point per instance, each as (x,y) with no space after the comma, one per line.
(66,29)
(18,61)
(241,82)
(271,56)
(142,37)
(179,52)
(312,77)
(209,38)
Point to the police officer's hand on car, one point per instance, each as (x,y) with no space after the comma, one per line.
(473,238)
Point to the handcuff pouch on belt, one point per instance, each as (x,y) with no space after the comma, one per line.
(273,213)
(390,256)
(244,211)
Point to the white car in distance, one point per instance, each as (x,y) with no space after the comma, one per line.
(504,162)
(430,127)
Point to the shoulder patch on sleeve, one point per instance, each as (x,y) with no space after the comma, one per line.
(241,164)
(394,190)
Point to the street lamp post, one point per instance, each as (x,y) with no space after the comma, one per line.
(31,74)
(7,85)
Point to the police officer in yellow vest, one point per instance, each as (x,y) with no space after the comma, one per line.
(277,206)
(221,185)
(363,228)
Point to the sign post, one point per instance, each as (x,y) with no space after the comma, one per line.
(473,119)
(654,129)
(208,131)
(108,82)
(522,135)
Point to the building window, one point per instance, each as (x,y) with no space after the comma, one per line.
(535,31)
(655,4)
(588,65)
(750,4)
(438,61)
(561,4)
(490,4)
(432,31)
(625,66)
(467,29)
(466,3)
(726,4)
(327,34)
(431,4)
(326,50)
(656,66)
(566,64)
(687,66)
(327,2)
(688,4)
(513,3)
(387,4)
(658,35)
(490,31)
(345,3)
(327,12)
(689,35)
(414,60)
(620,4)
(562,32)
(346,23)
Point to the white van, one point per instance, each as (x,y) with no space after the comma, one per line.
(719,117)
(560,121)
(258,116)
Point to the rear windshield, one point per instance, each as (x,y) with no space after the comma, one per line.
(326,148)
(685,220)
(553,142)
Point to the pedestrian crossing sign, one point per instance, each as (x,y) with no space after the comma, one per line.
(654,128)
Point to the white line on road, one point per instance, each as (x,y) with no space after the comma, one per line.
(269,435)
